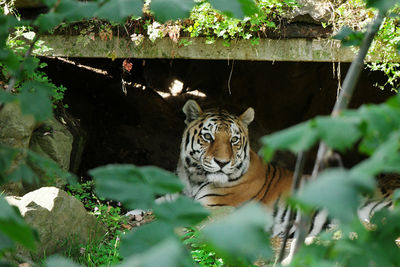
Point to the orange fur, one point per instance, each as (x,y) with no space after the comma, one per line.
(262,182)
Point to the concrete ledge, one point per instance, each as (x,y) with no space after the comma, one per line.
(300,49)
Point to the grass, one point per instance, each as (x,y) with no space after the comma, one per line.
(106,251)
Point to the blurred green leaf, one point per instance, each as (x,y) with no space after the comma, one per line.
(7,155)
(172,9)
(5,243)
(396,195)
(168,253)
(14,227)
(49,167)
(7,97)
(11,61)
(382,5)
(235,8)
(48,21)
(338,191)
(23,173)
(143,238)
(385,159)
(73,10)
(339,132)
(59,261)
(136,187)
(379,122)
(349,37)
(241,235)
(49,3)
(181,212)
(119,10)
(6,23)
(34,98)
(296,138)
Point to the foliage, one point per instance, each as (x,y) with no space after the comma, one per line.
(106,251)
(206,21)
(351,18)
(202,253)
(375,128)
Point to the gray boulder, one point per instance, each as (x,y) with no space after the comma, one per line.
(313,11)
(15,128)
(53,140)
(50,139)
(61,221)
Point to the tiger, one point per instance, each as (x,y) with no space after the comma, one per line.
(217,165)
(218,168)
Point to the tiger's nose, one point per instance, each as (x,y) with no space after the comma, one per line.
(221,163)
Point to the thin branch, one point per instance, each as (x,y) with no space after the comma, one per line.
(342,102)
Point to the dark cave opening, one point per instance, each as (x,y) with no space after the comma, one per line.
(134,117)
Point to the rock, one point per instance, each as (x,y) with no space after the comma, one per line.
(15,128)
(312,11)
(60,220)
(15,132)
(53,140)
(50,139)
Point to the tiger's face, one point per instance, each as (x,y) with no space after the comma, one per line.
(215,146)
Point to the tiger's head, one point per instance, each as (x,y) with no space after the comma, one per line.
(215,145)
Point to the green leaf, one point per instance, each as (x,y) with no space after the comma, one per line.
(14,227)
(119,10)
(145,237)
(396,195)
(386,158)
(73,10)
(242,234)
(338,191)
(349,37)
(339,132)
(296,138)
(235,8)
(11,62)
(6,23)
(181,212)
(48,21)
(7,97)
(136,187)
(5,243)
(59,261)
(35,100)
(382,5)
(168,253)
(49,167)
(380,121)
(172,9)
(23,173)
(7,155)
(49,3)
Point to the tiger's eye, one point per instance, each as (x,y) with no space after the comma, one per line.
(234,140)
(207,137)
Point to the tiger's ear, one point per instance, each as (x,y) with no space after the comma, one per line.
(248,116)
(192,111)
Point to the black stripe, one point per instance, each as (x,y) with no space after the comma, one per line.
(201,187)
(282,219)
(186,139)
(215,195)
(270,181)
(217,205)
(262,187)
